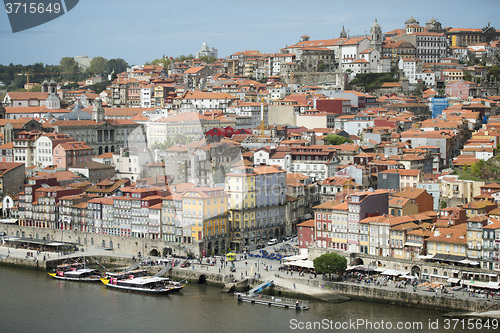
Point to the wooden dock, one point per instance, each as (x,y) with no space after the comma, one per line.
(276,301)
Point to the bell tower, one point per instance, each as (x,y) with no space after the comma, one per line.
(97,111)
(376,36)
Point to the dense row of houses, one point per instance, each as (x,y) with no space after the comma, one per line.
(232,153)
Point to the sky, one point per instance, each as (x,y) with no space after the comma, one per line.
(140,31)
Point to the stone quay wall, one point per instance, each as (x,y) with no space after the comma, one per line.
(89,241)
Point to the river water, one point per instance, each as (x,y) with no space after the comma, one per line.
(33,302)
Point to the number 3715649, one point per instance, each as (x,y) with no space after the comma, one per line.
(32,7)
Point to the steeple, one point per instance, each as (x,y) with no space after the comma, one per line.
(97,111)
(376,36)
(343,34)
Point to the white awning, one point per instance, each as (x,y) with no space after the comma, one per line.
(55,244)
(379,269)
(393,272)
(353,267)
(492,285)
(453,280)
(414,244)
(475,284)
(439,276)
(429,256)
(8,221)
(294,258)
(302,263)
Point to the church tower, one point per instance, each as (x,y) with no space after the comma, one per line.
(45,86)
(376,36)
(52,87)
(97,111)
(343,34)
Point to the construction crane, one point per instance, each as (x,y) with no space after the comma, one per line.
(29,73)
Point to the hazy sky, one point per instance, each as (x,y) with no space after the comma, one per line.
(139,31)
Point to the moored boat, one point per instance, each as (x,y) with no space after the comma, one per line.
(144,284)
(76,272)
(126,275)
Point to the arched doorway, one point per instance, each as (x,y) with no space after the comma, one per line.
(100,150)
(167,251)
(154,253)
(357,262)
(209,249)
(415,271)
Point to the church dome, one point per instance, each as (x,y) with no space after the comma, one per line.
(411,20)
(375,25)
(432,21)
(52,98)
(76,114)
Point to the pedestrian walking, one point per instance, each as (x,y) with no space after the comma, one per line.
(294,286)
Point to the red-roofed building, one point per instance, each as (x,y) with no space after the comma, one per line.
(7,152)
(306,234)
(72,153)
(461,89)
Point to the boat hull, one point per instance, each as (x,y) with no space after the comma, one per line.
(161,291)
(88,279)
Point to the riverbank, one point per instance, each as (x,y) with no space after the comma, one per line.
(252,271)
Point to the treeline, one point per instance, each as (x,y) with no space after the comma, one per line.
(166,61)
(370,81)
(15,76)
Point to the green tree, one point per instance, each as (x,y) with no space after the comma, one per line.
(117,65)
(17,83)
(160,62)
(329,263)
(68,65)
(321,67)
(208,59)
(36,88)
(98,66)
(477,168)
(334,139)
(467,76)
(494,72)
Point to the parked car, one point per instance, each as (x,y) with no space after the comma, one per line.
(272,242)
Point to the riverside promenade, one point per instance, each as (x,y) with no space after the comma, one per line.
(256,270)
